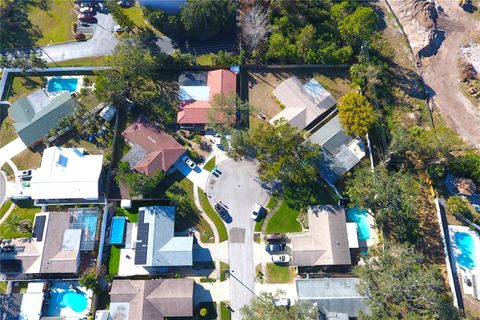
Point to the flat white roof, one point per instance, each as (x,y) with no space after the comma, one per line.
(197,93)
(352,235)
(32,302)
(66,173)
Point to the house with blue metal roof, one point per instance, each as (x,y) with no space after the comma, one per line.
(156,244)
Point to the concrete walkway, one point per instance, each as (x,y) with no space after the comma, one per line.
(11,150)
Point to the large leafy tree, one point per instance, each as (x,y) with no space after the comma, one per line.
(356,113)
(400,285)
(205,14)
(262,307)
(358,25)
(391,197)
(138,184)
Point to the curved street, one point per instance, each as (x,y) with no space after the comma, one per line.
(238,187)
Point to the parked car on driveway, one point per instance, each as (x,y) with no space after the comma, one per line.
(222,212)
(87,10)
(275,247)
(189,162)
(280,258)
(257,213)
(25,174)
(85,17)
(277,238)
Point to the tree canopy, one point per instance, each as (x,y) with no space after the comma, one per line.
(262,307)
(401,285)
(207,14)
(356,113)
(138,184)
(391,196)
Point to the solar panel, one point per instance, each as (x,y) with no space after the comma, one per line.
(141,216)
(142,232)
(140,253)
(39,227)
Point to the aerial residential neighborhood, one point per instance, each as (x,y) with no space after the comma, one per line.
(246,160)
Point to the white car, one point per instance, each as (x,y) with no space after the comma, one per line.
(281,302)
(280,258)
(86,10)
(189,162)
(257,212)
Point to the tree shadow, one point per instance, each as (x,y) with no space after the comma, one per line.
(408,81)
(16,29)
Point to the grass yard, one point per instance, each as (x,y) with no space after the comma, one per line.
(4,208)
(80,62)
(224,267)
(213,215)
(7,131)
(225,313)
(279,274)
(23,209)
(54,20)
(210,164)
(205,59)
(3,286)
(131,216)
(23,86)
(27,159)
(114,262)
(136,15)
(272,202)
(284,220)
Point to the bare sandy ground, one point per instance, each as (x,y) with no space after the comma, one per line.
(440,70)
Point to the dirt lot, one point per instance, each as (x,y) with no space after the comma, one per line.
(261,85)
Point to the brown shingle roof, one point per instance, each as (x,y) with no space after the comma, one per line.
(162,149)
(154,299)
(327,240)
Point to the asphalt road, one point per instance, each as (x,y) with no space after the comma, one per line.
(238,187)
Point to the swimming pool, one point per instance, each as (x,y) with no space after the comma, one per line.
(360,216)
(117,230)
(67,300)
(56,84)
(466,244)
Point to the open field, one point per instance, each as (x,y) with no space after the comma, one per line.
(54,19)
(261,85)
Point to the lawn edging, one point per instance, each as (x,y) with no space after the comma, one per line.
(212,214)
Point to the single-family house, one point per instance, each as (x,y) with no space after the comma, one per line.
(65,175)
(151,299)
(37,114)
(156,245)
(169,6)
(55,245)
(466,188)
(336,298)
(341,152)
(326,243)
(197,90)
(152,149)
(304,104)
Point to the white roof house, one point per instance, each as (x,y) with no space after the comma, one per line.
(66,173)
(32,301)
(304,103)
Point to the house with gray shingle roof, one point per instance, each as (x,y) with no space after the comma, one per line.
(35,115)
(157,245)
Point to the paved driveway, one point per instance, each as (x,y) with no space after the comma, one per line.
(101,43)
(198,176)
(11,150)
(239,187)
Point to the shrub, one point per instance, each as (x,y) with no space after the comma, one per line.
(203,312)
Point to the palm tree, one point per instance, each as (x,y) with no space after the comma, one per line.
(16,224)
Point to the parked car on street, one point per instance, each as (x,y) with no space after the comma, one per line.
(85,17)
(280,258)
(124,3)
(189,162)
(258,212)
(275,247)
(87,10)
(222,212)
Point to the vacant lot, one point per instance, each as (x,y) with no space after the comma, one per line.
(261,85)
(54,19)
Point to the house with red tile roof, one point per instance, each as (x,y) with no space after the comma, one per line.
(152,149)
(197,92)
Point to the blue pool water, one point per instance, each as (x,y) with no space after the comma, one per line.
(360,217)
(466,244)
(61,297)
(62,84)
(117,230)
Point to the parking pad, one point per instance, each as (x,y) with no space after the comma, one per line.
(237,235)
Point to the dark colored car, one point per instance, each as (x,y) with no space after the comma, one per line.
(275,247)
(85,17)
(276,238)
(124,3)
(222,212)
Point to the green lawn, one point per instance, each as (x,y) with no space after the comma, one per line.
(55,23)
(272,202)
(6,205)
(25,210)
(213,215)
(225,313)
(27,159)
(136,15)
(80,62)
(284,220)
(224,267)
(210,164)
(270,205)
(279,274)
(205,59)
(114,261)
(131,216)
(23,86)
(3,286)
